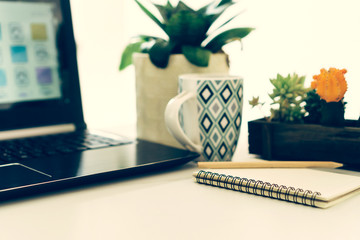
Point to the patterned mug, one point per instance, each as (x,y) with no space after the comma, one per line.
(205,116)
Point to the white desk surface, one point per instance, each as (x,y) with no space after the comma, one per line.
(169,205)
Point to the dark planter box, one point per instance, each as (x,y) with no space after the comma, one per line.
(285,141)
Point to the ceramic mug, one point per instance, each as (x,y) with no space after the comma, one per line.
(205,116)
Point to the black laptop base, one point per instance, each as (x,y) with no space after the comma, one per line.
(31,178)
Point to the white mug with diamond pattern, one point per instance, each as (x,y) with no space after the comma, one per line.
(206,115)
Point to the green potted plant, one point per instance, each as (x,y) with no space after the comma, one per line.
(189,32)
(193,45)
(306,123)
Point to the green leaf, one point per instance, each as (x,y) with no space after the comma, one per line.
(160,53)
(165,11)
(126,57)
(186,28)
(155,19)
(213,13)
(183,7)
(148,42)
(205,8)
(223,38)
(214,9)
(226,22)
(197,55)
(222,2)
(168,4)
(255,102)
(145,37)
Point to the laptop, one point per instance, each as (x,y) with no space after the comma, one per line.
(44,142)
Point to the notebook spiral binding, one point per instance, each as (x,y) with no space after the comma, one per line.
(258,187)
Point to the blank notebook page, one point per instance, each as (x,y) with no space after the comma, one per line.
(330,185)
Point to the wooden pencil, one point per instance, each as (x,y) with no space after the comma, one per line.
(270,164)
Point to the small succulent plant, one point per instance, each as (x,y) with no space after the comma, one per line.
(190,32)
(289,94)
(331,87)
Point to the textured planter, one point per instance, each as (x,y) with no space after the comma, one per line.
(155,87)
(274,140)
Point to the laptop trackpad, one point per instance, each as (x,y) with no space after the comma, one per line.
(16,175)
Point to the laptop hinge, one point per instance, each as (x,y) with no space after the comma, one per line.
(37,131)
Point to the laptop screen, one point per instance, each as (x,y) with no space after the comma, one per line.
(38,72)
(28,55)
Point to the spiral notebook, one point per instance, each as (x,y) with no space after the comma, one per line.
(304,186)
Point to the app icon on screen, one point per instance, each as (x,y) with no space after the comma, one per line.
(18,54)
(38,31)
(41,53)
(16,32)
(21,77)
(44,76)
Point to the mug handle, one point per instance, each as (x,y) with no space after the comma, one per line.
(172,120)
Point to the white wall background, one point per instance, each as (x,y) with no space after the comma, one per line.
(290,36)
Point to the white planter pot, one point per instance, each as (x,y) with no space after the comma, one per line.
(156,86)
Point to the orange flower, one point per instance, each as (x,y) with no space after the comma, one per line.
(330,85)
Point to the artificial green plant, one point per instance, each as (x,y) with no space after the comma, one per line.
(288,93)
(189,32)
(288,97)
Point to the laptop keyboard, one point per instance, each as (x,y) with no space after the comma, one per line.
(22,149)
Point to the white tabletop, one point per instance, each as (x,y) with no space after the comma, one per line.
(169,205)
